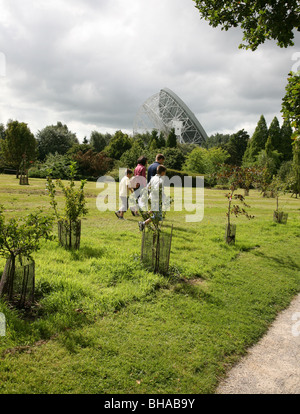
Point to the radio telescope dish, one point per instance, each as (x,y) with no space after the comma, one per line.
(164,111)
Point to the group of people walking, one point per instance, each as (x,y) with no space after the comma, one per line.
(135,181)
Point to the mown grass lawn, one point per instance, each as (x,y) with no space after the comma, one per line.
(104,324)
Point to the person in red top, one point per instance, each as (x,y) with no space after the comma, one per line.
(140,170)
(139,180)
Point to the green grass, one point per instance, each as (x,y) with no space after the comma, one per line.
(103,324)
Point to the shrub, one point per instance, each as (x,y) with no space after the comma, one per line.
(68,221)
(18,240)
(91,163)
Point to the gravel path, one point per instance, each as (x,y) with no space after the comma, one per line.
(273,365)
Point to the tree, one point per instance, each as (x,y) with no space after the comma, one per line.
(2,137)
(161,143)
(285,147)
(236,177)
(291,100)
(174,158)
(236,147)
(69,223)
(275,134)
(172,139)
(186,149)
(296,165)
(196,161)
(18,141)
(217,140)
(57,163)
(18,240)
(215,157)
(119,143)
(91,163)
(154,140)
(145,138)
(204,161)
(55,139)
(84,147)
(269,160)
(130,157)
(257,142)
(2,131)
(260,20)
(291,111)
(98,141)
(277,187)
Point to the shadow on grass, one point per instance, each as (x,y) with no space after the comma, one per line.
(87,252)
(196,292)
(195,287)
(182,229)
(287,262)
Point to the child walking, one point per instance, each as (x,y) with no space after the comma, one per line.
(156,187)
(124,189)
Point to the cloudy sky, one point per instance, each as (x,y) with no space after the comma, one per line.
(92,63)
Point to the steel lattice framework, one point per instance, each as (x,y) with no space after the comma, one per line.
(164,111)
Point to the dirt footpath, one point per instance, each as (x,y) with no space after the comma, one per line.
(272,366)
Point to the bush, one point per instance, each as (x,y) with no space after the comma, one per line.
(172,173)
(204,161)
(57,163)
(92,164)
(174,158)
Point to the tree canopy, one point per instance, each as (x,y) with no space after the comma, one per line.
(18,141)
(172,139)
(291,111)
(257,142)
(118,144)
(285,147)
(236,147)
(55,139)
(274,134)
(291,100)
(260,20)
(98,141)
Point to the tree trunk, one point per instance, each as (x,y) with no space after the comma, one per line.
(230,231)
(156,249)
(69,234)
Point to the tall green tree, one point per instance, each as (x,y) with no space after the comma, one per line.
(296,165)
(174,158)
(55,139)
(172,139)
(2,136)
(291,111)
(269,160)
(217,140)
(19,141)
(236,147)
(154,140)
(98,141)
(259,20)
(129,158)
(285,147)
(257,142)
(161,141)
(118,144)
(2,131)
(291,100)
(275,134)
